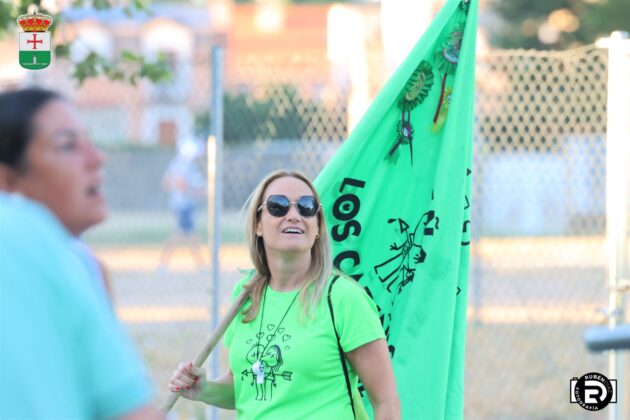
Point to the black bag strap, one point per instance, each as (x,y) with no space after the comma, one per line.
(341,355)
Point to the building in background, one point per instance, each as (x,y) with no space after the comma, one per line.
(321,48)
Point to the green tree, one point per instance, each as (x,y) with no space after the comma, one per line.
(281,113)
(557,24)
(128,67)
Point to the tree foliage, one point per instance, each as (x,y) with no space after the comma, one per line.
(128,67)
(281,113)
(557,24)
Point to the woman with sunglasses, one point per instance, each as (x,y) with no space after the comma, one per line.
(284,355)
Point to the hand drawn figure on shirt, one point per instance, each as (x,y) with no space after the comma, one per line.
(397,269)
(265,370)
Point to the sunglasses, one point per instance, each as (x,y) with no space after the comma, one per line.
(279,205)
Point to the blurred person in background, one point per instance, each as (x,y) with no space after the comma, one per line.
(185,185)
(63,354)
(289,345)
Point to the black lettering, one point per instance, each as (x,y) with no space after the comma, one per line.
(392,350)
(351,225)
(352,182)
(346,207)
(361,390)
(428,231)
(347,255)
(465,230)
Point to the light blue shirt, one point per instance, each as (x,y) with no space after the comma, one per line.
(62,352)
(91,263)
(186,175)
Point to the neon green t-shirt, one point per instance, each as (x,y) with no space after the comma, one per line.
(288,366)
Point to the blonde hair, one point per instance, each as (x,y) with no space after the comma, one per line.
(321,255)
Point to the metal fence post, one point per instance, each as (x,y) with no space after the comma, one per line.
(215,168)
(617,162)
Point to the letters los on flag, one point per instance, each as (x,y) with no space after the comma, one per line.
(397,200)
(34,41)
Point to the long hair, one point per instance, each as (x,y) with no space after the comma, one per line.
(321,255)
(276,349)
(17,111)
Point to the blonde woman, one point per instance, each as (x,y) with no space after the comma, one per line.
(288,359)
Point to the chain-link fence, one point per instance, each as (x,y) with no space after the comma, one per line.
(538,276)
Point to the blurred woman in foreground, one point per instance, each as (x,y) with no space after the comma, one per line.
(64,355)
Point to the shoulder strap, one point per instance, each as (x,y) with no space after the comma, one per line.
(341,355)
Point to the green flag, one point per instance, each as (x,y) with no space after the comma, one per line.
(397,200)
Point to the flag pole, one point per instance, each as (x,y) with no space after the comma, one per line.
(216,118)
(210,344)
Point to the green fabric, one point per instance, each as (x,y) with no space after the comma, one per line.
(307,380)
(397,199)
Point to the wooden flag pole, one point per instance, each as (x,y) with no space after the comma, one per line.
(209,345)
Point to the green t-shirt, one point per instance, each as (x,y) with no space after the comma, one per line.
(288,366)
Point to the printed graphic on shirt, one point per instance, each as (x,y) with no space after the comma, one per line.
(265,360)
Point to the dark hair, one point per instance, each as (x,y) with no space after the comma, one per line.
(17,110)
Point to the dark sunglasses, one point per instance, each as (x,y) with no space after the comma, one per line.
(279,205)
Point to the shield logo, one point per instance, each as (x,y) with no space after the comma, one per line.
(34,41)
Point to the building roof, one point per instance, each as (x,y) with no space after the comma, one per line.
(294,50)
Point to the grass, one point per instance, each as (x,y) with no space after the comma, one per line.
(149,228)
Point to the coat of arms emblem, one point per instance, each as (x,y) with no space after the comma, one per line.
(34,40)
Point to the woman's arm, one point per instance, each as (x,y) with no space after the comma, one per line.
(219,393)
(372,363)
(191,383)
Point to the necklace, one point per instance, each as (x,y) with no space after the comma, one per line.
(258,368)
